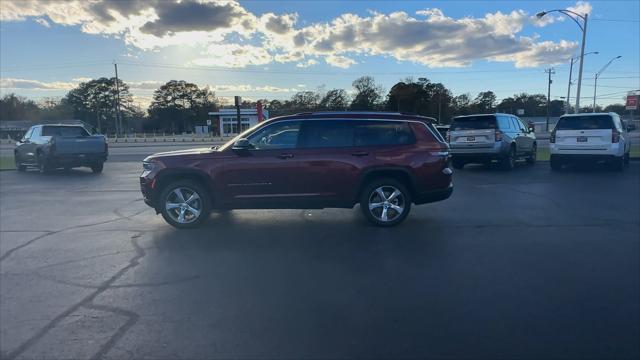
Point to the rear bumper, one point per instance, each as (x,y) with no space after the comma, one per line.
(433,196)
(77,159)
(498,150)
(615,149)
(583,157)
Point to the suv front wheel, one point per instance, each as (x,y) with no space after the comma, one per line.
(385,202)
(184,204)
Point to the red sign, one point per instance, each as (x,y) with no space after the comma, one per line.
(632,102)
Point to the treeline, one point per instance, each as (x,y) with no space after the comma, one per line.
(178,106)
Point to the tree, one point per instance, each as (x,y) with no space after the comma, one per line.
(616,108)
(178,105)
(336,99)
(94,102)
(484,102)
(422,97)
(462,104)
(368,94)
(13,107)
(304,101)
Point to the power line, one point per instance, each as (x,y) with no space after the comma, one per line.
(617,20)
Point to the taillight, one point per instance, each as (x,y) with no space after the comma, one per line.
(498,135)
(552,138)
(615,136)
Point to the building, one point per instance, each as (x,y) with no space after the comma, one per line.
(226,120)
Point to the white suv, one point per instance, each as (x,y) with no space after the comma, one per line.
(590,137)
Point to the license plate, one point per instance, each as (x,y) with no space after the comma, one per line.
(582,139)
(471,138)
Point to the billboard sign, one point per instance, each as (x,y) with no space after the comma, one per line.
(632,102)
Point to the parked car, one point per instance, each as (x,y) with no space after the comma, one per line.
(443,130)
(589,137)
(483,138)
(384,161)
(60,146)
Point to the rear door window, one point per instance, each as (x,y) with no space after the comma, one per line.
(504,123)
(71,131)
(374,133)
(592,122)
(326,133)
(474,123)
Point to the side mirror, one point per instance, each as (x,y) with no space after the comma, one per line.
(532,128)
(242,145)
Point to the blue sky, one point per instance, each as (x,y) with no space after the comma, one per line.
(270,49)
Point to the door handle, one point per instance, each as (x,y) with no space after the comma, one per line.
(285,156)
(360,153)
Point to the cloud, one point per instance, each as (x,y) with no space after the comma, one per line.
(307,63)
(234,55)
(221,31)
(43,22)
(339,61)
(25,84)
(235,88)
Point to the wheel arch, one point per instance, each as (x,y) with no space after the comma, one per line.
(400,174)
(167,176)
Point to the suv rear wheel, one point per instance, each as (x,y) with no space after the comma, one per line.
(385,202)
(184,204)
(509,161)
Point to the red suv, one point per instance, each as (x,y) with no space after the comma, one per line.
(384,161)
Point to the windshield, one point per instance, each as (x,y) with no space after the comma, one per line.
(473,123)
(244,134)
(587,122)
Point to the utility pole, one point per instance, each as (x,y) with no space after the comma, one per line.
(549,71)
(118,123)
(238,102)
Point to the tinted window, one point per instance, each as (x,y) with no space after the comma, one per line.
(369,133)
(281,135)
(474,123)
(330,133)
(63,131)
(504,123)
(585,122)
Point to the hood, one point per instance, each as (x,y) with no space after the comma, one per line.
(186,152)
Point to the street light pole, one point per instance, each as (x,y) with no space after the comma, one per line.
(595,84)
(568,99)
(584,38)
(573,15)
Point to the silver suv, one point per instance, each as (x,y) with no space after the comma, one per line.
(483,138)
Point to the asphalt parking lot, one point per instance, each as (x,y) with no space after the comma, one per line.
(526,264)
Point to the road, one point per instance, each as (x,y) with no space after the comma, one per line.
(526,264)
(138,151)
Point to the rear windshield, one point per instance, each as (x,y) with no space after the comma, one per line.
(64,131)
(592,122)
(473,123)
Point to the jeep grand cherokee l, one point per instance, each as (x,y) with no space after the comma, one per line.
(383,161)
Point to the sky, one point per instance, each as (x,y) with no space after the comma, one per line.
(272,49)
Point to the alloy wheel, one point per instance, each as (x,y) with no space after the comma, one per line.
(183,205)
(386,203)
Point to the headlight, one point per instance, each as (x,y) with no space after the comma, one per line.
(148,165)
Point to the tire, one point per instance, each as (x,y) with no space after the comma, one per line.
(173,214)
(457,163)
(19,165)
(43,164)
(387,205)
(556,165)
(626,158)
(617,164)
(97,168)
(509,162)
(531,159)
